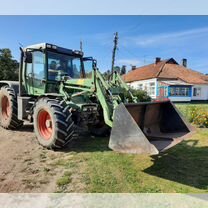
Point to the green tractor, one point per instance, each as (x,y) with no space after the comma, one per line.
(63,93)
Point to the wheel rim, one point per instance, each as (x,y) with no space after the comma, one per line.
(5,107)
(45,124)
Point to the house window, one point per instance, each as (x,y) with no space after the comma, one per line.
(152,88)
(177,91)
(140,86)
(149,88)
(146,87)
(131,86)
(184,91)
(197,92)
(180,91)
(165,91)
(172,91)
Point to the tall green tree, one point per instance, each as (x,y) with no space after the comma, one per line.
(123,69)
(117,68)
(107,74)
(8,66)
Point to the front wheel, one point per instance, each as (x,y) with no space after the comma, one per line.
(53,124)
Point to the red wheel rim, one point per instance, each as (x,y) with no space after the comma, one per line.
(45,124)
(5,107)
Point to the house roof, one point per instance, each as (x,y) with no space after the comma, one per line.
(166,69)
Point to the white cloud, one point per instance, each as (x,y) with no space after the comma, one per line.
(149,40)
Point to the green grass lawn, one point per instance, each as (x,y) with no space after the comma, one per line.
(93,167)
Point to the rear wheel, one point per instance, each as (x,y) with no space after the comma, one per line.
(53,123)
(8,109)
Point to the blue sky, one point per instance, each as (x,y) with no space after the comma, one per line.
(141,38)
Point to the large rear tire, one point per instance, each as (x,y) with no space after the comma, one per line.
(53,124)
(8,109)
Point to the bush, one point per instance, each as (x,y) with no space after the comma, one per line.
(141,95)
(196,115)
(200,118)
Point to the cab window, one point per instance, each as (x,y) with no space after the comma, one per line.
(63,65)
(38,69)
(88,67)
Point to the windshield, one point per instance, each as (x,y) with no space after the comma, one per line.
(63,65)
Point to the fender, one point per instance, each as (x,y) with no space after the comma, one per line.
(12,84)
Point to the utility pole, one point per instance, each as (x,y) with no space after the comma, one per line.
(114,51)
(81,49)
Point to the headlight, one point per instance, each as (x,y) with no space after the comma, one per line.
(49,46)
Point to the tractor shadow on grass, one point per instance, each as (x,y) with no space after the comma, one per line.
(185,163)
(87,143)
(83,143)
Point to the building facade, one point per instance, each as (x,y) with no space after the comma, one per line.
(167,79)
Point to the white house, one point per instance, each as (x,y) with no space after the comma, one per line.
(167,79)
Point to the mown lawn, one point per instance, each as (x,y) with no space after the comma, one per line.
(95,168)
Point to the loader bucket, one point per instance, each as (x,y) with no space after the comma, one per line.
(147,128)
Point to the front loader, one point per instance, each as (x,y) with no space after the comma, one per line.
(62,93)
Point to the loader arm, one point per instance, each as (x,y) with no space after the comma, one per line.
(106,98)
(96,85)
(118,81)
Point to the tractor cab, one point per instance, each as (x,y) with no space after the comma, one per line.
(45,65)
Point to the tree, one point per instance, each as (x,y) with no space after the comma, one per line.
(141,95)
(123,70)
(107,74)
(117,69)
(8,66)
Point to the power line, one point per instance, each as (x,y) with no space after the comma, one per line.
(134,55)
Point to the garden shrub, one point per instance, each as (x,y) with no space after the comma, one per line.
(196,115)
(141,95)
(200,118)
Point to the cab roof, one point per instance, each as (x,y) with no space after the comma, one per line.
(52,47)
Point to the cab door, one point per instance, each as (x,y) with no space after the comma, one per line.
(29,78)
(39,75)
(35,74)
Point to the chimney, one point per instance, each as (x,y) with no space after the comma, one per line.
(184,62)
(157,60)
(133,67)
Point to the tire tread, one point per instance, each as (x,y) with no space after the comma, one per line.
(64,125)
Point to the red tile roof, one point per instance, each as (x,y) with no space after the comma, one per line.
(167,69)
(145,72)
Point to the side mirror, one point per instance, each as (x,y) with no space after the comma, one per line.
(28,57)
(93,61)
(94,64)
